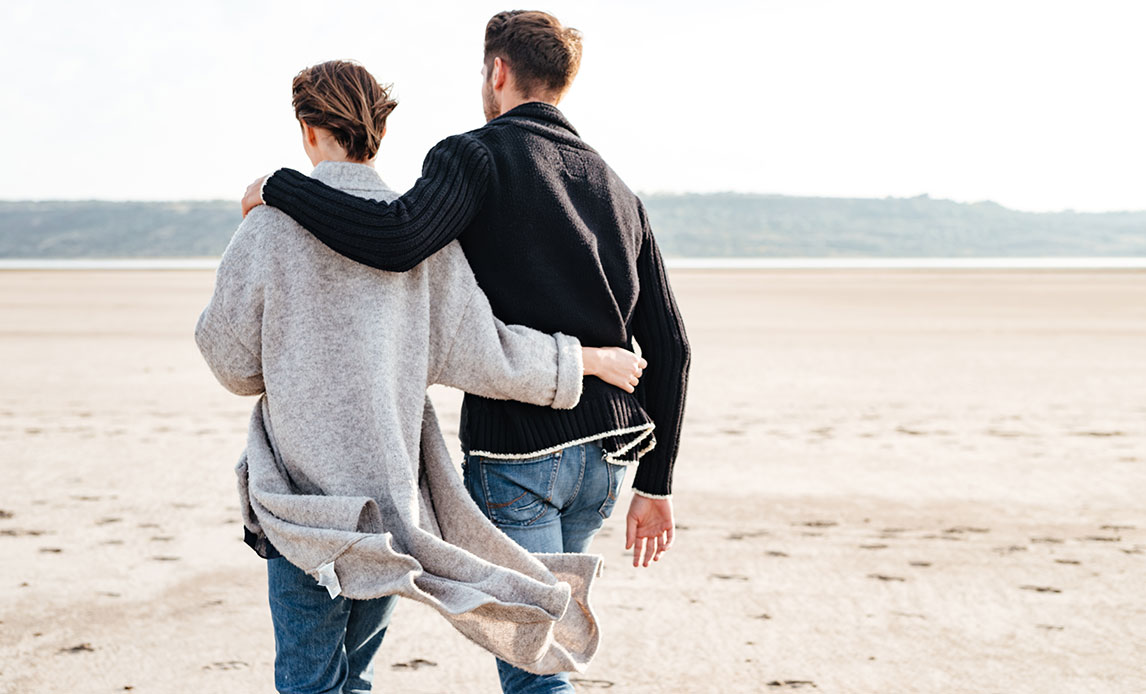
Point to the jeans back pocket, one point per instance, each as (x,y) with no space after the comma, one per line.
(514,492)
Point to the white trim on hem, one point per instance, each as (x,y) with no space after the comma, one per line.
(646,428)
(638,492)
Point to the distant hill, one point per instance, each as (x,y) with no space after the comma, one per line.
(693,225)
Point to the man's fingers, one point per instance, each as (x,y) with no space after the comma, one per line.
(637,547)
(643,364)
(650,549)
(669,536)
(630,531)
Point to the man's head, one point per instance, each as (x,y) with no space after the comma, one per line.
(529,56)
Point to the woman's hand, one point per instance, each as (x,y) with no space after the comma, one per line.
(254,195)
(615,366)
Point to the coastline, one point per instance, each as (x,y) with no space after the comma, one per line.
(892,263)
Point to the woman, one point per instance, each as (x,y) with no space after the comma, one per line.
(346,484)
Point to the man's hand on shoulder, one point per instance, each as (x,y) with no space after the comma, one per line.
(649,528)
(254,195)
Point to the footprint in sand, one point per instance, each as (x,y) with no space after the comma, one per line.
(729,577)
(17,532)
(1041,589)
(5,515)
(873,546)
(1047,540)
(51,550)
(108,520)
(746,535)
(1100,538)
(792,684)
(775,553)
(1115,528)
(1050,627)
(591,684)
(963,529)
(1072,562)
(81,648)
(162,557)
(883,577)
(228,665)
(763,615)
(414,664)
(819,524)
(920,564)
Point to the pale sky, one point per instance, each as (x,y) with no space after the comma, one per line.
(1037,105)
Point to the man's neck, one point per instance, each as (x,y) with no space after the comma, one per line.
(510,102)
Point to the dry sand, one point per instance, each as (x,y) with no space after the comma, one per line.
(889,482)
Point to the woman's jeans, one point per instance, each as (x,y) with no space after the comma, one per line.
(322,645)
(553,503)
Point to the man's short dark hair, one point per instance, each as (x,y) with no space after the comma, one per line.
(543,55)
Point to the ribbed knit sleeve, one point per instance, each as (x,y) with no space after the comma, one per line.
(398,235)
(658,327)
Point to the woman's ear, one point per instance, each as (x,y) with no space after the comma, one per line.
(310,134)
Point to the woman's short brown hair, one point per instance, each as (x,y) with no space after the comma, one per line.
(342,97)
(544,55)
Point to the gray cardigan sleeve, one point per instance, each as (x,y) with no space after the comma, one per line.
(486,357)
(470,349)
(229,329)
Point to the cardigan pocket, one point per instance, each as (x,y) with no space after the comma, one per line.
(514,493)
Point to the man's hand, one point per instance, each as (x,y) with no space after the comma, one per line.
(649,528)
(253,197)
(615,366)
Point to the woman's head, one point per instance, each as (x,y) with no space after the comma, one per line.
(344,103)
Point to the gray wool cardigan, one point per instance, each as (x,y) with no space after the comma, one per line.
(346,472)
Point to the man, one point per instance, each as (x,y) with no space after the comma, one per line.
(559,243)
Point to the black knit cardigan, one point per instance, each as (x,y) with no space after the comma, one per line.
(558,243)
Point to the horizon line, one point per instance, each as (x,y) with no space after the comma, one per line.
(642,194)
(793,263)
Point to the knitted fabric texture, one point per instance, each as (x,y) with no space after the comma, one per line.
(346,472)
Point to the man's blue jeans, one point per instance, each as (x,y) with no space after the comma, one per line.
(322,645)
(554,503)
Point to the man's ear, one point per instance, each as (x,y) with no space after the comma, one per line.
(500,74)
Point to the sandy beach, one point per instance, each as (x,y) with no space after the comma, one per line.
(890,481)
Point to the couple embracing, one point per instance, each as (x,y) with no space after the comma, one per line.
(340,301)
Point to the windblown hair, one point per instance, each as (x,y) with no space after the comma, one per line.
(543,55)
(342,97)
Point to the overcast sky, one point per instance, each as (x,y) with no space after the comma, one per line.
(1037,105)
